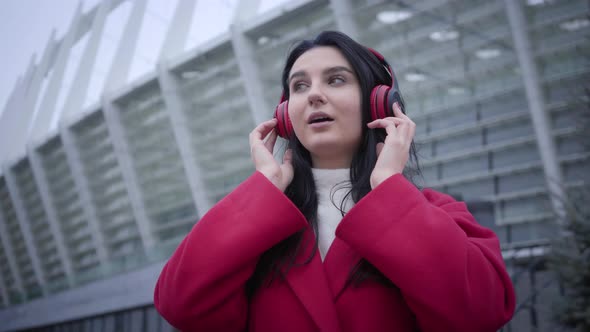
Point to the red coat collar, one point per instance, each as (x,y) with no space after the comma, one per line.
(318,284)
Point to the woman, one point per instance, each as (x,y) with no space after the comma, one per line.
(336,237)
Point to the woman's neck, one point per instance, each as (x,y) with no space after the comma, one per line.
(331,162)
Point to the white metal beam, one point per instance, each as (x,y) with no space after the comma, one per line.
(343,11)
(178,30)
(28,77)
(7,119)
(4,291)
(10,256)
(48,105)
(176,107)
(79,88)
(33,91)
(16,130)
(81,183)
(121,150)
(539,116)
(250,72)
(121,65)
(24,225)
(245,10)
(40,179)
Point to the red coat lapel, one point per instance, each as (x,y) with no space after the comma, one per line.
(339,261)
(310,285)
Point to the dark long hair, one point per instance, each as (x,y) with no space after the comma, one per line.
(276,261)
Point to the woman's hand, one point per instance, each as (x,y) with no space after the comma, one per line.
(393,154)
(261,152)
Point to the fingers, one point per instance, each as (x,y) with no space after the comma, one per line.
(412,131)
(271,140)
(401,122)
(392,154)
(262,130)
(397,111)
(383,123)
(402,129)
(389,124)
(288,156)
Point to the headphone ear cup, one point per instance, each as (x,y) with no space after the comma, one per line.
(394,96)
(284,127)
(380,106)
(382,99)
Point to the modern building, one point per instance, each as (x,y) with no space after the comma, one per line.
(92,205)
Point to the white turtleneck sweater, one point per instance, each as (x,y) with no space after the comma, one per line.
(331,185)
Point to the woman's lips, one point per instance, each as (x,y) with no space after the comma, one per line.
(321,124)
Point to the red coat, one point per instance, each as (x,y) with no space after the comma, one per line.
(449,270)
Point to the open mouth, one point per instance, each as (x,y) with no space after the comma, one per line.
(320,120)
(319,117)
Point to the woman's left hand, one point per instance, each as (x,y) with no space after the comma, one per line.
(393,154)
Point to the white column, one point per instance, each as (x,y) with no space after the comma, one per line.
(244,53)
(28,77)
(121,65)
(10,256)
(24,224)
(33,91)
(4,291)
(7,119)
(10,100)
(175,107)
(40,179)
(121,149)
(79,88)
(245,10)
(536,102)
(16,128)
(75,164)
(11,96)
(48,104)
(178,29)
(344,15)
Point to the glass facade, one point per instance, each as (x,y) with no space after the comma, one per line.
(21,255)
(119,187)
(217,114)
(73,222)
(156,164)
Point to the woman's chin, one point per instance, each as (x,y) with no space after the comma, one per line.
(331,154)
(324,146)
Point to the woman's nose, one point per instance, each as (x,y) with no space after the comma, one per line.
(316,95)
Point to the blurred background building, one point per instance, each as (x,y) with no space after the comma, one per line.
(96,192)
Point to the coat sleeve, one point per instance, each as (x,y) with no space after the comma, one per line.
(201,287)
(449,269)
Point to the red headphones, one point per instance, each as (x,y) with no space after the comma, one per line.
(382,99)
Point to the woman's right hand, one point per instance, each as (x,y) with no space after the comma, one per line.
(264,161)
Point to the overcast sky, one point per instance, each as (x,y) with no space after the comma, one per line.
(25,27)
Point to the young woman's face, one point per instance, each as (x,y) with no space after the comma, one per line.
(325,106)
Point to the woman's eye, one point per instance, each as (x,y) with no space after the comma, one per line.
(336,80)
(298,86)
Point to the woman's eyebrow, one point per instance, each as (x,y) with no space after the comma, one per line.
(300,73)
(337,69)
(328,71)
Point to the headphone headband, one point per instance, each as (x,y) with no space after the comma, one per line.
(386,65)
